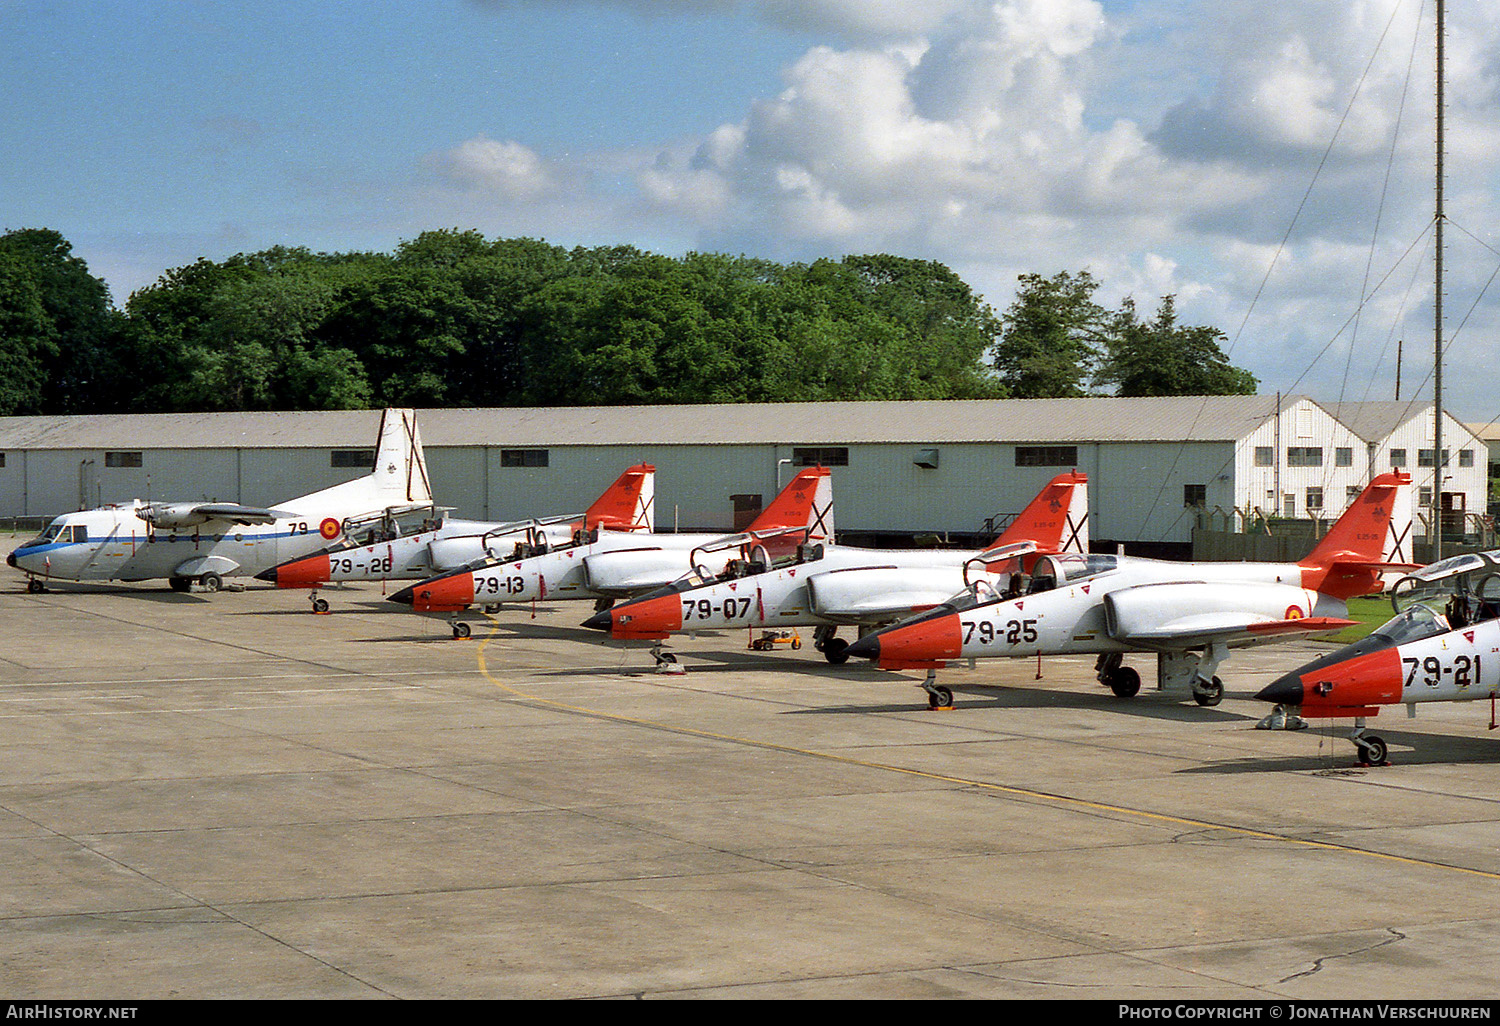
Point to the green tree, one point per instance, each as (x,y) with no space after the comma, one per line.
(28,340)
(1052,335)
(82,322)
(1162,357)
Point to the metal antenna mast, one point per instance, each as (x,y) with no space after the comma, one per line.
(1437,316)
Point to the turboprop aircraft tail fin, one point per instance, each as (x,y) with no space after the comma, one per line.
(399,476)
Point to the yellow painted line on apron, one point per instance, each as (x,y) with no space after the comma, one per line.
(1008,789)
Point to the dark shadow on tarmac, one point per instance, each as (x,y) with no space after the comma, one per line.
(1155,705)
(1406,749)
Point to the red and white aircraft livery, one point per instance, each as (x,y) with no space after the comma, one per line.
(627,505)
(208,541)
(617,564)
(1443,646)
(1189,614)
(826,587)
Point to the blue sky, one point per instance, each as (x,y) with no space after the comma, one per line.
(1165,145)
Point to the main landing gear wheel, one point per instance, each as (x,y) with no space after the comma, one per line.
(461,630)
(835,650)
(1208,693)
(35,586)
(1124,682)
(211,582)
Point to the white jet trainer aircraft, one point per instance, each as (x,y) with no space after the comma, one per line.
(209,541)
(610,565)
(1188,614)
(827,587)
(389,551)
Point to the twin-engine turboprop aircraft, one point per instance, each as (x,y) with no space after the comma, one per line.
(615,564)
(627,505)
(1442,646)
(826,587)
(209,541)
(1189,614)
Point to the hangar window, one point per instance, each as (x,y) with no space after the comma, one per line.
(1343,456)
(821,456)
(122,459)
(1398,457)
(1304,456)
(1465,458)
(2,459)
(1195,495)
(362,459)
(523,457)
(1424,457)
(1046,455)
(1314,500)
(1265,455)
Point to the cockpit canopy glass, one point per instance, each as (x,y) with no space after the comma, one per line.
(1069,567)
(1414,623)
(1473,575)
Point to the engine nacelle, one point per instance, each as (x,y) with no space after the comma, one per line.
(1176,610)
(450,553)
(631,570)
(869,594)
(168,516)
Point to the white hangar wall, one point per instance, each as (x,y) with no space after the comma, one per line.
(899,468)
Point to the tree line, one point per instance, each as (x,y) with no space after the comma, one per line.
(452,319)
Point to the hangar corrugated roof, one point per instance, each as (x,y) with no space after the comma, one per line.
(1176,418)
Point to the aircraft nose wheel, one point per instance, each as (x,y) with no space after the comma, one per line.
(319,604)
(1372,750)
(461,630)
(939,696)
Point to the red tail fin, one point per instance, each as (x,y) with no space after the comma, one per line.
(1057,519)
(1365,540)
(627,505)
(806,501)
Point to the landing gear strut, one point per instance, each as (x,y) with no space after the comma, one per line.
(939,696)
(1122,680)
(666,662)
(1372,749)
(826,640)
(1208,692)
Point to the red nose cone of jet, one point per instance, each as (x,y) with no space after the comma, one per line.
(299,573)
(439,595)
(1368,680)
(652,619)
(914,646)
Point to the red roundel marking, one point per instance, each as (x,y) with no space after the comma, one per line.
(329,528)
(1293,613)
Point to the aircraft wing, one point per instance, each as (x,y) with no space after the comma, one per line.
(191,514)
(879,594)
(1235,629)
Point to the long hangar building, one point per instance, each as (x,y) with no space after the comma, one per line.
(949,468)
